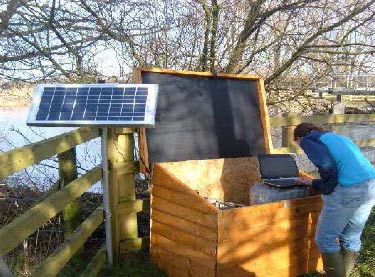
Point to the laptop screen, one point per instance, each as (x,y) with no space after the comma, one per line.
(273,166)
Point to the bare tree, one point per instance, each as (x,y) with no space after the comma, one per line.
(291,43)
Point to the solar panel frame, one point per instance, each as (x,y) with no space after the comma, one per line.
(112,101)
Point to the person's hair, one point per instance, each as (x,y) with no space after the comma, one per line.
(304,129)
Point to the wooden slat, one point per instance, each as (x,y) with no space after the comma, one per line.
(273,230)
(159,241)
(181,223)
(187,266)
(96,264)
(279,251)
(23,226)
(190,200)
(184,238)
(321,119)
(123,167)
(263,214)
(133,206)
(67,173)
(195,217)
(55,262)
(23,157)
(259,268)
(360,143)
(136,244)
(264,116)
(195,73)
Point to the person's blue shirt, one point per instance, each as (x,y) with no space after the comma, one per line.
(338,159)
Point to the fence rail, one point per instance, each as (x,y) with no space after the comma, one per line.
(290,121)
(54,202)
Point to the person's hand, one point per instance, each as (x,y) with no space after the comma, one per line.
(303,181)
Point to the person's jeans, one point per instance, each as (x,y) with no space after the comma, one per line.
(343,216)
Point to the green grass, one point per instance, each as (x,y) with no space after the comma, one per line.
(134,265)
(366,260)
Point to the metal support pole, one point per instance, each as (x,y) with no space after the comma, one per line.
(106,204)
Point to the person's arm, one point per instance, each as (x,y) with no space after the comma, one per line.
(319,154)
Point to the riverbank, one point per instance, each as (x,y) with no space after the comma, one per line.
(15,95)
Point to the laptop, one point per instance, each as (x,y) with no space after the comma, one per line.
(278,170)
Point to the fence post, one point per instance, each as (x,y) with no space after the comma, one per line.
(121,185)
(288,132)
(68,173)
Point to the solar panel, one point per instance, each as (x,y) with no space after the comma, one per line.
(132,105)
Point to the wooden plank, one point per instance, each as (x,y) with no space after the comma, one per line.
(23,226)
(253,224)
(184,263)
(181,237)
(264,269)
(96,264)
(180,223)
(161,242)
(23,157)
(279,252)
(359,143)
(120,143)
(144,166)
(265,214)
(190,200)
(264,116)
(127,167)
(67,173)
(133,245)
(194,73)
(195,217)
(133,206)
(273,230)
(321,119)
(55,262)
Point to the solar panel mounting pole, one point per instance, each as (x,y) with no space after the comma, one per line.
(106,199)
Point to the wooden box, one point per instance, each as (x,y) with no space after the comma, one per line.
(208,127)
(191,237)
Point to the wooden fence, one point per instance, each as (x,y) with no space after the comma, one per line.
(289,122)
(123,204)
(54,202)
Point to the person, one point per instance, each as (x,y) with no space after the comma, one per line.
(347,184)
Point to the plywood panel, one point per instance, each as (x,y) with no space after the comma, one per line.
(216,178)
(194,216)
(180,223)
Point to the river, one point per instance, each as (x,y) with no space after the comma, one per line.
(15,133)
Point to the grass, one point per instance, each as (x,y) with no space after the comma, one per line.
(366,260)
(134,265)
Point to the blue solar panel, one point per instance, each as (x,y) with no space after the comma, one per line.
(97,104)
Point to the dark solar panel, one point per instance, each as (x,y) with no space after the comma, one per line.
(99,104)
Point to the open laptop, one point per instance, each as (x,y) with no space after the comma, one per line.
(278,170)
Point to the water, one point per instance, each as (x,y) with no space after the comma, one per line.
(15,133)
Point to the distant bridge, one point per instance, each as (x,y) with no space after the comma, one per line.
(363,84)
